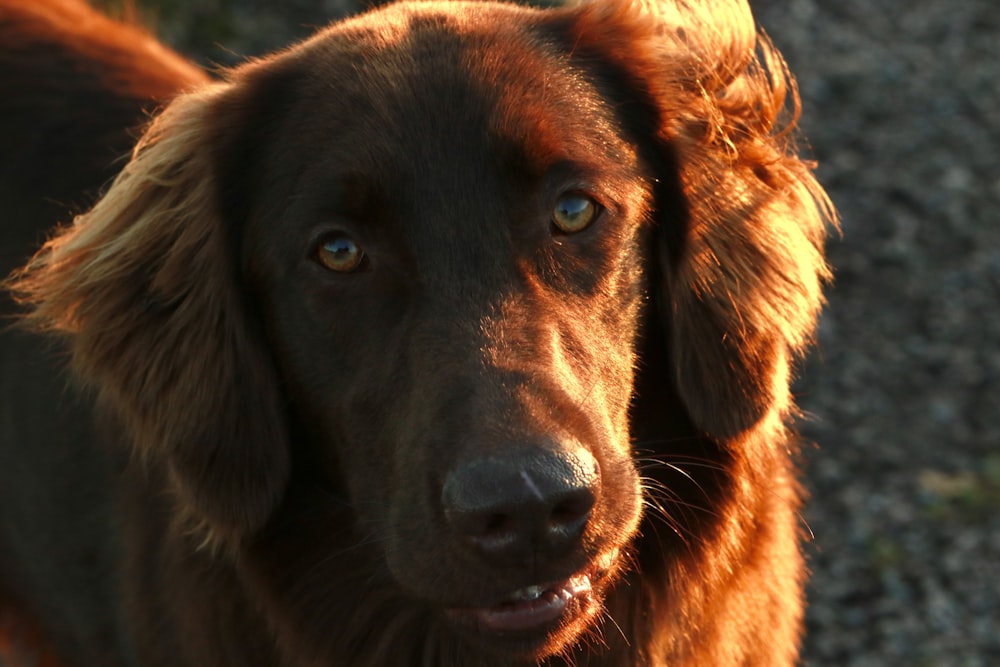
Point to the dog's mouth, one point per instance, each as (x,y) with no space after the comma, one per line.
(531,609)
(540,619)
(534,622)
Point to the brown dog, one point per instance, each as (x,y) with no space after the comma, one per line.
(459,334)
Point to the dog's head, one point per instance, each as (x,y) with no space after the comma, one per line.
(390,307)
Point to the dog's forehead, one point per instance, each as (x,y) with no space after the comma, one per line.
(425,81)
(452,130)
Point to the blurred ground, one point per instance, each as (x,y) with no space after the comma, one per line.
(902,105)
(902,108)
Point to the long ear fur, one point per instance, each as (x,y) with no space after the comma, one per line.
(742,259)
(146,286)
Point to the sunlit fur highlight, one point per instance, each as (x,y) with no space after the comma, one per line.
(145,286)
(752,269)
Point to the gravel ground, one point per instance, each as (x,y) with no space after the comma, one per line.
(902,105)
(902,108)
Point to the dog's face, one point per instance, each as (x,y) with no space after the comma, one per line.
(447,251)
(431,274)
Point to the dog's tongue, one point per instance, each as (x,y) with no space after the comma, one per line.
(532,607)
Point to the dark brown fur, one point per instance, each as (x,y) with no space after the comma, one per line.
(308,445)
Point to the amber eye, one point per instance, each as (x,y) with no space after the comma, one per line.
(574,212)
(339,252)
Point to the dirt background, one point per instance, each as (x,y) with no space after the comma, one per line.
(902,108)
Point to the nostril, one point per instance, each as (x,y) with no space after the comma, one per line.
(570,515)
(495,525)
(573,509)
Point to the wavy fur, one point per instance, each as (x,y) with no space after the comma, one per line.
(145,285)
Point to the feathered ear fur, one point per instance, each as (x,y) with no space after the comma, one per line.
(741,258)
(146,287)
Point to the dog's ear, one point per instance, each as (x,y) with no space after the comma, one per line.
(147,288)
(741,220)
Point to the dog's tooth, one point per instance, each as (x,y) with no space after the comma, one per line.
(578,584)
(529,593)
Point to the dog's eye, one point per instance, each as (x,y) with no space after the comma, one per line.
(574,212)
(339,252)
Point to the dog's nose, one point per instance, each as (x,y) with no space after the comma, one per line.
(522,505)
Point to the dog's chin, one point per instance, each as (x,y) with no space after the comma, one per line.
(536,621)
